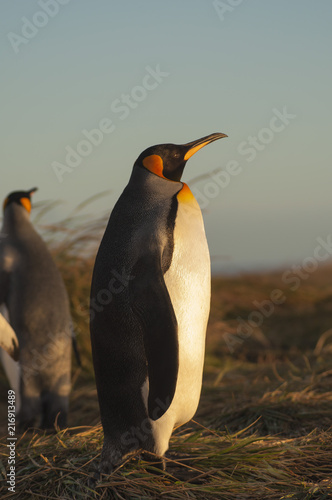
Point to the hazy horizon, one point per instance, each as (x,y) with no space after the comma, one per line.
(87,87)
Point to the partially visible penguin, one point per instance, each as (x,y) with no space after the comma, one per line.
(9,355)
(150,301)
(33,292)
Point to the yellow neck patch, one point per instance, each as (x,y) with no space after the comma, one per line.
(154,163)
(185,195)
(26,203)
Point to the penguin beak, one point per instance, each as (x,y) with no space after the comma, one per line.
(195,146)
(33,190)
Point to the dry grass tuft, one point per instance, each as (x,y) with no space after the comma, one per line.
(263,429)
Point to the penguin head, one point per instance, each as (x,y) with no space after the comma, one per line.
(22,198)
(168,160)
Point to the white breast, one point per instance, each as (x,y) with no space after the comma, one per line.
(188,282)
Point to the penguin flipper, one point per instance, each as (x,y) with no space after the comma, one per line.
(8,339)
(151,303)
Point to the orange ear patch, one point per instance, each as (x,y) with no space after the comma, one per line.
(185,195)
(154,163)
(26,203)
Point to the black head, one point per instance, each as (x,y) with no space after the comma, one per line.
(22,198)
(169,160)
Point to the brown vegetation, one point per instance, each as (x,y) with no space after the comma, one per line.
(263,429)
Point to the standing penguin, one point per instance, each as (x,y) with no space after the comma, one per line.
(150,301)
(35,297)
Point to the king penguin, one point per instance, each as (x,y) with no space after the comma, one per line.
(38,332)
(150,302)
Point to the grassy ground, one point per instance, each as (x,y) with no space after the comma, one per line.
(263,429)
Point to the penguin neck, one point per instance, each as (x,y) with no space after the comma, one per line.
(143,180)
(16,218)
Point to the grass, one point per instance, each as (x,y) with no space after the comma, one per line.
(263,429)
(202,463)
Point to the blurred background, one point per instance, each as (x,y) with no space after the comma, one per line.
(86,86)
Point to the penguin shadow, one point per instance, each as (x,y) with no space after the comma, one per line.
(181,467)
(173,467)
(153,462)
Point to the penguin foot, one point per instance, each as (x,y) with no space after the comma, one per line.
(93,480)
(105,467)
(156,461)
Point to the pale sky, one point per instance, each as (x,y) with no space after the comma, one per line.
(151,72)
